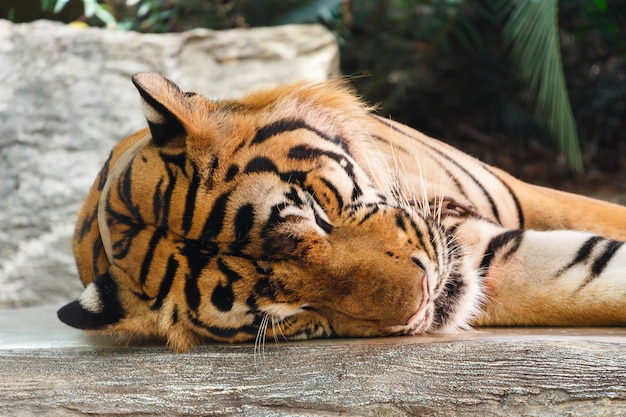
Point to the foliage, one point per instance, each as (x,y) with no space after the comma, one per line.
(531,28)
(92,9)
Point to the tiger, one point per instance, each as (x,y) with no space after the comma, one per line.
(296,212)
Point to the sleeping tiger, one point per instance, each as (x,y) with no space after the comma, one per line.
(297,213)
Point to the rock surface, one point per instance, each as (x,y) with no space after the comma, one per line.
(66,98)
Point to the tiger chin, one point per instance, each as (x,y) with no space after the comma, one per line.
(297,213)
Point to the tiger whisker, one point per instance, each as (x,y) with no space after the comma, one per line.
(259,342)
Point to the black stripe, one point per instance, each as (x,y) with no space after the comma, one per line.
(178,160)
(190,200)
(518,206)
(277,128)
(223,332)
(141,296)
(157,201)
(264,288)
(210,175)
(166,282)
(400,222)
(602,261)
(372,210)
(445,156)
(192,292)
(260,164)
(162,198)
(598,266)
(149,255)
(586,248)
(306,152)
(331,187)
(292,195)
(496,244)
(215,222)
(244,220)
(134,222)
(123,245)
(104,172)
(124,191)
(230,174)
(164,219)
(448,173)
(294,177)
(198,254)
(583,253)
(427,244)
(85,226)
(431,238)
(229,273)
(96,250)
(282,126)
(302,152)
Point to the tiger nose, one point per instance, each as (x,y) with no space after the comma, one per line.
(430,279)
(419,314)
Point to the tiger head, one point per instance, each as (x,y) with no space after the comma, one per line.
(268,216)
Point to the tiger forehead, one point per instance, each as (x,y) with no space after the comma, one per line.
(329,105)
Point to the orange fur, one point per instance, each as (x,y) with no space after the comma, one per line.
(296,204)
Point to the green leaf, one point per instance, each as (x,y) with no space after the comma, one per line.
(532,30)
(60,4)
(47,5)
(601,5)
(93,8)
(105,16)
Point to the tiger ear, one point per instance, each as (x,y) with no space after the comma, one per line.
(96,308)
(165,107)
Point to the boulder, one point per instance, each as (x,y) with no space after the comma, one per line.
(66,98)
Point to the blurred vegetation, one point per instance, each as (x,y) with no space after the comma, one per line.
(493,71)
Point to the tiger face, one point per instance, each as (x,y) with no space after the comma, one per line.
(267,216)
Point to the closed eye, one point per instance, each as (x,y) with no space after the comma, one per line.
(323,224)
(320,216)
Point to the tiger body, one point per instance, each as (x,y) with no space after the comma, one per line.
(295,212)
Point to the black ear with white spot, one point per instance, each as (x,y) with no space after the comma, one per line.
(164,106)
(96,308)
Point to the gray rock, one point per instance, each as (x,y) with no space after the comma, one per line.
(66,98)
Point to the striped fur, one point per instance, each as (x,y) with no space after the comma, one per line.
(296,213)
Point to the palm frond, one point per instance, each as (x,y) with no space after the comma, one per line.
(531,29)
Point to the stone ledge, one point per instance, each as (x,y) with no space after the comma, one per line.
(49,369)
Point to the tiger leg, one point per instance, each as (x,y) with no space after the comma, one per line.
(547,278)
(548,209)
